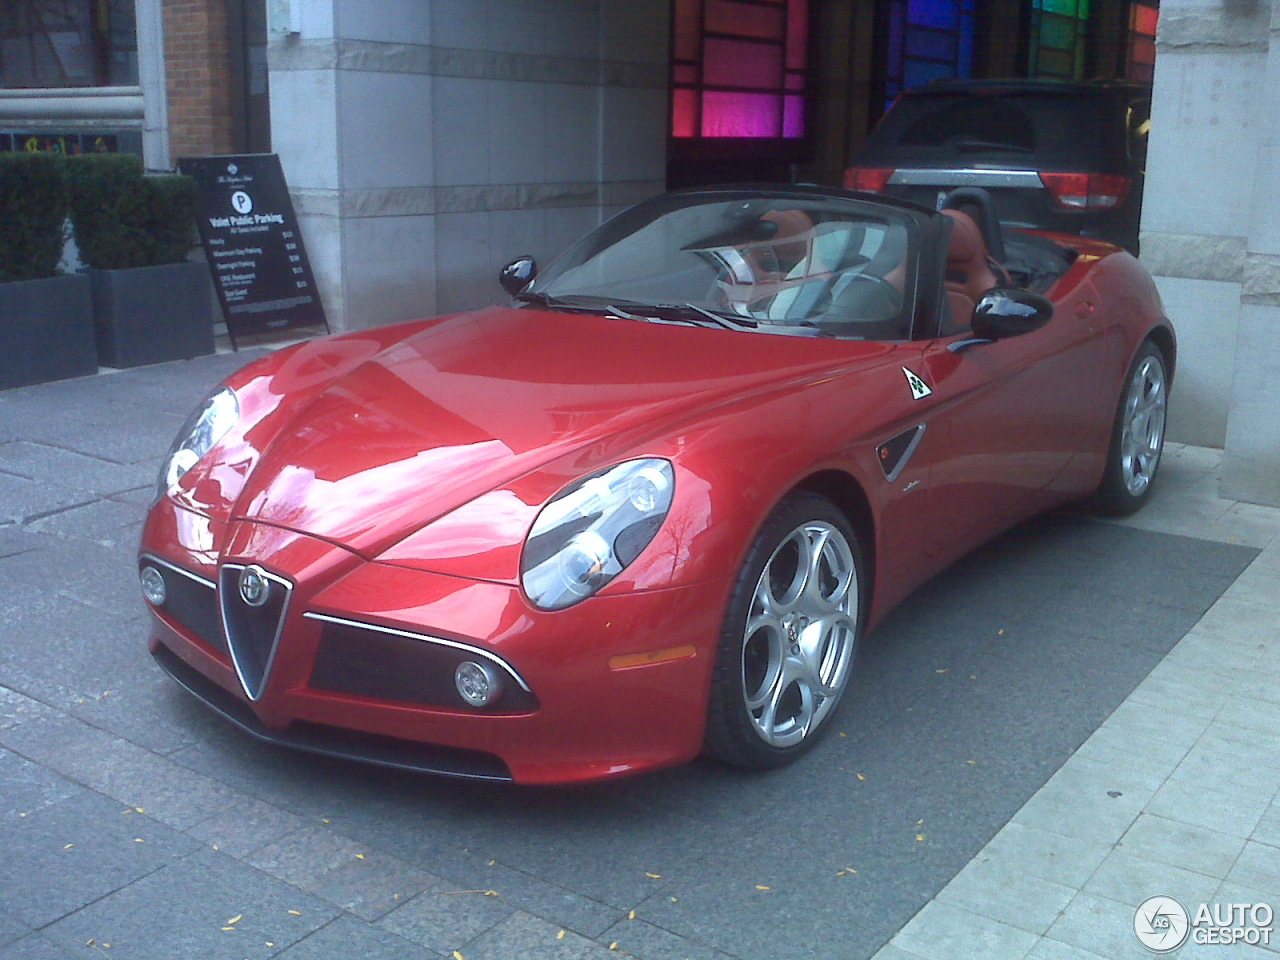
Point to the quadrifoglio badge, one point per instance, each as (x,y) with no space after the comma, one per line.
(1163,924)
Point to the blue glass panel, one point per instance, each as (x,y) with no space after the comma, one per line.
(931,45)
(934,13)
(922,71)
(897,16)
(964,68)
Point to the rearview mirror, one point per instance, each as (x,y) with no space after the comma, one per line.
(1010,312)
(518,274)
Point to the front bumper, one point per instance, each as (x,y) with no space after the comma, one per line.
(362,667)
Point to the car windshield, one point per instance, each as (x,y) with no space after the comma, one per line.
(772,263)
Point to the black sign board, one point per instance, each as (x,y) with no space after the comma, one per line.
(250,236)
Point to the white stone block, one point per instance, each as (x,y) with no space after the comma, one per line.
(384,129)
(1206,316)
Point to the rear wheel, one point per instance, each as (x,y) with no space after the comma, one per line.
(789,636)
(1137,436)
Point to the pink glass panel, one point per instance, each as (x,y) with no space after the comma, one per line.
(740,63)
(684,113)
(688,31)
(797,34)
(684,74)
(740,114)
(744,19)
(793,117)
(1145,19)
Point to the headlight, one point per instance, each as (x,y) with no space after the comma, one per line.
(593,529)
(205,427)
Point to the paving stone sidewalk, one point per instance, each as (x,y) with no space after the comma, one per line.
(134,824)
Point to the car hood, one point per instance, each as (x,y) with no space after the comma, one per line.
(458,408)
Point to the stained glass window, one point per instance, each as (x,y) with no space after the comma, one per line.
(1057,48)
(738,68)
(927,39)
(1142,41)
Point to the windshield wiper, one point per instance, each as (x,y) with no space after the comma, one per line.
(681,313)
(975,145)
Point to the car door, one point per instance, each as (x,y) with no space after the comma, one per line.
(1006,417)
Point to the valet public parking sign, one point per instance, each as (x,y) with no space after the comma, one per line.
(251,240)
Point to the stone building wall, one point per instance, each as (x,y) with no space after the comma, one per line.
(1210,235)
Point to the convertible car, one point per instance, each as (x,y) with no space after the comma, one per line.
(646,509)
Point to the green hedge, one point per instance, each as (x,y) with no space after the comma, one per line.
(33,211)
(124,219)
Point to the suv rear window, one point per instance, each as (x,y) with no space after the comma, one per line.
(1040,129)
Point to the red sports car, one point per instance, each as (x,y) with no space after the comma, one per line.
(647,509)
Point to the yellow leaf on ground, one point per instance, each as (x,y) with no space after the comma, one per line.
(918,822)
(324,819)
(457,955)
(138,810)
(68,846)
(560,935)
(919,838)
(359,856)
(228,928)
(614,945)
(944,670)
(492,862)
(296,913)
(236,919)
(631,915)
(653,876)
(971,762)
(861,777)
(761,886)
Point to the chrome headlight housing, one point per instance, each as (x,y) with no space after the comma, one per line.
(205,427)
(593,529)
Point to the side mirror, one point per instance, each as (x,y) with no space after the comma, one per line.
(518,274)
(1010,312)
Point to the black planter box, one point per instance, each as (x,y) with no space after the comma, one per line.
(152,314)
(46,331)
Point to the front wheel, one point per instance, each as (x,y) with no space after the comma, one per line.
(1137,436)
(789,636)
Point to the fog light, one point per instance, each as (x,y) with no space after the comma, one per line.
(478,683)
(153,586)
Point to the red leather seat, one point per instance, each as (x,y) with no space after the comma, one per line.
(969,271)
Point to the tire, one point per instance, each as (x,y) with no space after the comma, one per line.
(789,637)
(1137,435)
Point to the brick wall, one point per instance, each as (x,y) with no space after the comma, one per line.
(198,77)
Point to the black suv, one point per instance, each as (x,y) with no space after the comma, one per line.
(1062,156)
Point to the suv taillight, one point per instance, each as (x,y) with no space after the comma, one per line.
(870,179)
(1087,191)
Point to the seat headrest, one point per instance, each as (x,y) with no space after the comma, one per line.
(966,243)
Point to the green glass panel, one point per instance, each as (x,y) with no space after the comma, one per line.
(1065,8)
(1058,32)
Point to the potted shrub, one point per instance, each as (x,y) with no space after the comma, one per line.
(46,320)
(134,234)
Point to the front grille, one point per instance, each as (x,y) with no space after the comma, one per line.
(333,741)
(372,661)
(253,631)
(191,600)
